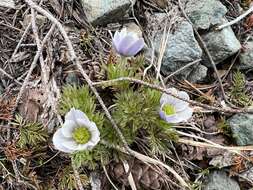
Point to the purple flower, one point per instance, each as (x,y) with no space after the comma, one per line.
(174,110)
(127,43)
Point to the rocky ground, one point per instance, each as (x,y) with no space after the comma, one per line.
(184,48)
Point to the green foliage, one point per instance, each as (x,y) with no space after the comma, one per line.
(80,98)
(31,134)
(67,180)
(238,92)
(137,110)
(123,68)
(224,127)
(159,137)
(91,158)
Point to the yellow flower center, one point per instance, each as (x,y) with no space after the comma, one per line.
(81,135)
(169,109)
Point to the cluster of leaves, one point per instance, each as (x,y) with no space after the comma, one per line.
(224,127)
(80,98)
(123,68)
(238,93)
(135,110)
(31,134)
(67,179)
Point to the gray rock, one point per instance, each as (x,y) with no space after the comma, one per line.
(242,128)
(219,180)
(246,56)
(182,48)
(205,13)
(1,89)
(105,11)
(224,160)
(221,45)
(198,74)
(72,79)
(248,174)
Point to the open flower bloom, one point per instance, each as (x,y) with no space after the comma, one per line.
(77,133)
(174,110)
(127,43)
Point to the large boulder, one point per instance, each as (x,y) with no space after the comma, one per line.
(221,44)
(219,180)
(181,49)
(100,12)
(205,13)
(242,128)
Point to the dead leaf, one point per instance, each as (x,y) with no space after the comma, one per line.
(31,104)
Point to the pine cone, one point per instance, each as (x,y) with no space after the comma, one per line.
(145,176)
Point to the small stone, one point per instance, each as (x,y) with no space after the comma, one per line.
(198,74)
(7,3)
(242,128)
(182,48)
(72,79)
(246,56)
(224,160)
(205,13)
(219,180)
(132,27)
(1,89)
(101,12)
(221,45)
(248,174)
(40,20)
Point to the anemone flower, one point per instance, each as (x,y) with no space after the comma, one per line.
(77,133)
(174,110)
(126,43)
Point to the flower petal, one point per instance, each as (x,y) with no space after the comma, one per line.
(68,127)
(180,104)
(124,45)
(91,126)
(169,118)
(166,98)
(58,139)
(136,47)
(185,114)
(95,136)
(75,114)
(72,145)
(116,40)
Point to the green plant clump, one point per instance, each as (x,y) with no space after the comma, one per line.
(31,134)
(238,93)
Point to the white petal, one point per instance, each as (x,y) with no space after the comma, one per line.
(84,123)
(170,118)
(91,126)
(185,114)
(68,127)
(180,104)
(166,98)
(58,139)
(95,136)
(75,114)
(72,145)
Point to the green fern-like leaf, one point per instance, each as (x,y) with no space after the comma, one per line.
(159,136)
(31,134)
(80,98)
(238,92)
(67,180)
(224,127)
(92,158)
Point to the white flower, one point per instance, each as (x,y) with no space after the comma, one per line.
(174,110)
(127,43)
(77,133)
